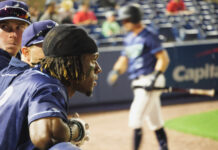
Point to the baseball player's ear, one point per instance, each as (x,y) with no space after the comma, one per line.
(25,53)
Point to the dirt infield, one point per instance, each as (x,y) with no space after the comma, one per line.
(109,130)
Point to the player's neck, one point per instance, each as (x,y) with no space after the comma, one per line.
(70,91)
(138,28)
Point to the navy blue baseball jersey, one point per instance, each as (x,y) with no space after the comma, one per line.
(140,51)
(64,146)
(4,59)
(14,69)
(31,96)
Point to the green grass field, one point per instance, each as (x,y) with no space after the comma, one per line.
(203,124)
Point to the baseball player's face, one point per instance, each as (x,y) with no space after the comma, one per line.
(10,35)
(91,69)
(32,54)
(128,25)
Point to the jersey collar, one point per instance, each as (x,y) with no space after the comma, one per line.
(18,63)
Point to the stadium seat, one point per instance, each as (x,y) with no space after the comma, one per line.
(166,31)
(210,31)
(147,22)
(188,34)
(171,28)
(212,34)
(112,41)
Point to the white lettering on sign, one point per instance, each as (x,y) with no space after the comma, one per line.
(208,71)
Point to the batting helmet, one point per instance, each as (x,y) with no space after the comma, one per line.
(132,12)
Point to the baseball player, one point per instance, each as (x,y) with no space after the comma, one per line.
(14,18)
(146,60)
(34,106)
(32,40)
(32,52)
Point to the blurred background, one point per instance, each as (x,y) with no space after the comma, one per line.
(190,37)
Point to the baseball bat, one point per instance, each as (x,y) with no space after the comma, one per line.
(206,92)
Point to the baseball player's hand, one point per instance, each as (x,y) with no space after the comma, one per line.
(83,130)
(154,77)
(112,77)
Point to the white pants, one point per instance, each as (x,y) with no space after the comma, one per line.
(146,105)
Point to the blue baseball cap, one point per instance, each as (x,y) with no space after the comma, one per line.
(14,10)
(35,33)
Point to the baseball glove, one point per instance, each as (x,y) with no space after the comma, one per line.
(83,131)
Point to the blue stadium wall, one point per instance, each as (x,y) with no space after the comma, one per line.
(193,64)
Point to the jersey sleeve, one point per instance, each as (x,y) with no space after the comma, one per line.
(123,53)
(48,101)
(154,44)
(125,42)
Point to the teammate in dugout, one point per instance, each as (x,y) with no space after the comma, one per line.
(37,100)
(146,61)
(32,52)
(32,39)
(14,18)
